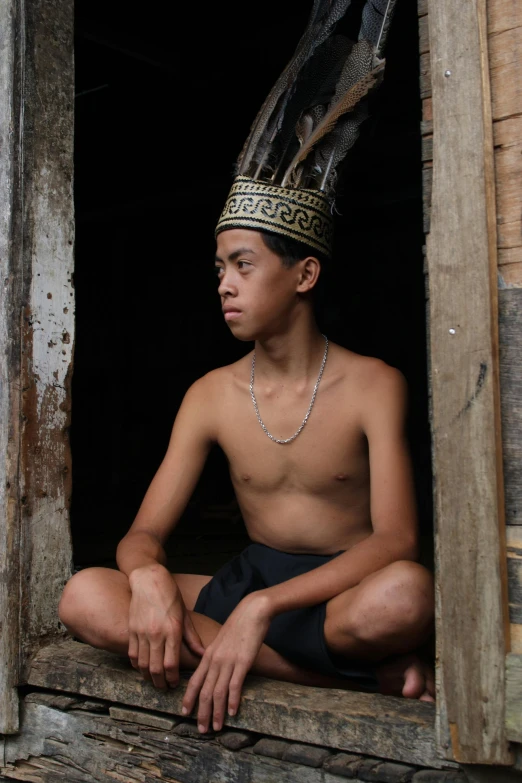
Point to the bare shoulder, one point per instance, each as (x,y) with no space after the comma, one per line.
(369,378)
(222,379)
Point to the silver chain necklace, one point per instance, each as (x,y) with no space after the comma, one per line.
(308,412)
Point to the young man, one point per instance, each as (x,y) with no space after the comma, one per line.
(329,590)
(343,486)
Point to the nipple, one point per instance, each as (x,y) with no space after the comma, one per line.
(341,476)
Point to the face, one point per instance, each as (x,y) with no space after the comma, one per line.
(258,294)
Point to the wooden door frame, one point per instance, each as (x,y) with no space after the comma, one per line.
(471,583)
(37,334)
(36,330)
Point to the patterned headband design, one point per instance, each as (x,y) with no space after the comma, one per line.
(304,215)
(288,169)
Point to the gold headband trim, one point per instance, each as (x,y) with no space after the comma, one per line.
(304,215)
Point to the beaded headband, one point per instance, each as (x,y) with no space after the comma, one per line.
(304,215)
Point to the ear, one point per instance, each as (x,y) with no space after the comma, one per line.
(309,271)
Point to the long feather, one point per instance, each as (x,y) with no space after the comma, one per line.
(375,23)
(325,15)
(345,104)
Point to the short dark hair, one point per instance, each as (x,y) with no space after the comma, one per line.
(290,251)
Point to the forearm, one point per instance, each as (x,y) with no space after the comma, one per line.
(138,549)
(340,574)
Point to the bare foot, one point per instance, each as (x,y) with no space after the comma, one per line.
(408,676)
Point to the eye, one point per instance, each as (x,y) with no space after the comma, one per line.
(218,270)
(243,265)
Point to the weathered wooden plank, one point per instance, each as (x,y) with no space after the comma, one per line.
(506,72)
(48,317)
(472,623)
(510,328)
(424,39)
(425,76)
(10,275)
(514,561)
(508,182)
(422,7)
(503,15)
(514,697)
(359,722)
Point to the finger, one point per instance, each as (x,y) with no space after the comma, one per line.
(206,699)
(157,655)
(192,637)
(194,685)
(144,657)
(133,649)
(234,689)
(171,661)
(220,697)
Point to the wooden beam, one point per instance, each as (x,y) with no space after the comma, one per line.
(472,623)
(47,310)
(371,724)
(10,275)
(514,697)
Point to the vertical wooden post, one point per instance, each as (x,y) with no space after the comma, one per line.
(48,316)
(10,283)
(36,328)
(461,246)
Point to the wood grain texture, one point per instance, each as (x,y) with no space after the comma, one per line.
(48,316)
(514,697)
(472,625)
(362,723)
(10,274)
(510,322)
(514,562)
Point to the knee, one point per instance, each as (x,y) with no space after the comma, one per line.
(400,599)
(75,598)
(408,592)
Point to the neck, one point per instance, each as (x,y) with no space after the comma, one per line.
(294,354)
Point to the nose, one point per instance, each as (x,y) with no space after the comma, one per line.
(227,285)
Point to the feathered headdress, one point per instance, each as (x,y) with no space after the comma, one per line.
(287,170)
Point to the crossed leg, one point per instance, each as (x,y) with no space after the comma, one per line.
(390,613)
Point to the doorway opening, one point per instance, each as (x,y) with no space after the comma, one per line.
(158,127)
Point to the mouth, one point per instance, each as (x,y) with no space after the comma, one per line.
(231,313)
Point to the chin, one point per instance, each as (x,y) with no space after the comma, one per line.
(242,333)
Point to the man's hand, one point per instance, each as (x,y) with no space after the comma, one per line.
(158,622)
(220,675)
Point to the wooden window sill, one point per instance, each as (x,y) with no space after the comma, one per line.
(370,724)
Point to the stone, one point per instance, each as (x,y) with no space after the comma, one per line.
(343,764)
(270,747)
(235,740)
(366,769)
(439,776)
(390,772)
(191,730)
(309,755)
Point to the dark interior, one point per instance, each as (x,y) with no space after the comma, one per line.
(165,96)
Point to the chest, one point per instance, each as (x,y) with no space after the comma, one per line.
(330,452)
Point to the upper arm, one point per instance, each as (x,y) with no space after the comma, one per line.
(392,494)
(190,442)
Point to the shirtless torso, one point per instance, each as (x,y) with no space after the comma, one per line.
(344,484)
(312,495)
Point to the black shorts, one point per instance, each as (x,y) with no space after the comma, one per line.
(297,635)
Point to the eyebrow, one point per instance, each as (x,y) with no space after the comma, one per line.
(235,255)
